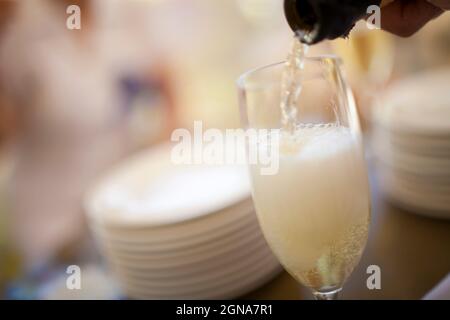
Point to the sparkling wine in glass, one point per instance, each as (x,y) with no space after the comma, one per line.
(315,210)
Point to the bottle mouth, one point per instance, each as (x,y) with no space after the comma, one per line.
(308,37)
(306,26)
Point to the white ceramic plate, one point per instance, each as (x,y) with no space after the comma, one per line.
(175,247)
(412,144)
(147,260)
(242,276)
(416,199)
(420,105)
(201,271)
(149,190)
(423,165)
(196,228)
(234,289)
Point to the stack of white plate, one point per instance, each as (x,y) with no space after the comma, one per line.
(179,232)
(412,143)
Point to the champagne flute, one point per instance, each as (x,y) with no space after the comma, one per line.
(315,210)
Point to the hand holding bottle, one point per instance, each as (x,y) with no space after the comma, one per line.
(404,18)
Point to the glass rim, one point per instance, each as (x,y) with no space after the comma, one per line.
(240,82)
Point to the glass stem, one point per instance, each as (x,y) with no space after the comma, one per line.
(330,295)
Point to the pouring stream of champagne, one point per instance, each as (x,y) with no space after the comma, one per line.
(291,86)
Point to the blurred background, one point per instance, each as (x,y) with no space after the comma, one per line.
(73,103)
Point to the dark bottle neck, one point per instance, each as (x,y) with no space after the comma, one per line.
(317,20)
